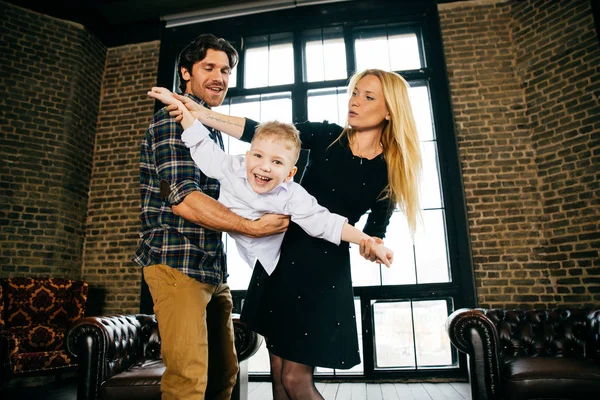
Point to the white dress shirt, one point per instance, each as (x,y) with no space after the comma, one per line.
(236,194)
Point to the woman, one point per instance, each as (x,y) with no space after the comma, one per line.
(305,309)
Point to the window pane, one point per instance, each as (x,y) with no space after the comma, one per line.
(388,51)
(394,340)
(328,104)
(430,195)
(266,107)
(239,271)
(430,249)
(269,61)
(421,108)
(398,239)
(325,55)
(432,342)
(259,362)
(233,78)
(364,272)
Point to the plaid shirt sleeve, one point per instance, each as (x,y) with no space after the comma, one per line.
(173,161)
(167,175)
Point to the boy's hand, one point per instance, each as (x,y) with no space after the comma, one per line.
(167,97)
(384,255)
(163,95)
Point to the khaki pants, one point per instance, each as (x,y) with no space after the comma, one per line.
(194,321)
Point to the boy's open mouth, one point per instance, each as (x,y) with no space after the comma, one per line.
(262,178)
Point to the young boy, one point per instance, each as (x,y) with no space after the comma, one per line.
(261,182)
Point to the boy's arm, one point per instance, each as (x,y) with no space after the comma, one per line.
(231,125)
(201,209)
(209,157)
(319,222)
(353,235)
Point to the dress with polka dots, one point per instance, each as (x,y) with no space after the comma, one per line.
(305,309)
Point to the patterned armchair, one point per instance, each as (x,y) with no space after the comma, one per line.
(35,315)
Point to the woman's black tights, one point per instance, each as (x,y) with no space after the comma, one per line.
(292,380)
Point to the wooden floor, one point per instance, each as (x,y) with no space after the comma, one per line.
(376,391)
(66,390)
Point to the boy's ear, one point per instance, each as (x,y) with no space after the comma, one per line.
(291,174)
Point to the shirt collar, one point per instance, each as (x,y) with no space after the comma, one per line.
(197,99)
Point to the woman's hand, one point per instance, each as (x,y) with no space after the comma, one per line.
(368,250)
(198,111)
(180,111)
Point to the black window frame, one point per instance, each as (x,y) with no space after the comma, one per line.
(360,15)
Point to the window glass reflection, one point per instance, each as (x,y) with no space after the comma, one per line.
(269,61)
(430,249)
(394,338)
(328,104)
(390,52)
(325,55)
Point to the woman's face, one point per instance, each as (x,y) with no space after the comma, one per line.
(366,107)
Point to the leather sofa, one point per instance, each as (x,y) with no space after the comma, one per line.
(119,357)
(529,354)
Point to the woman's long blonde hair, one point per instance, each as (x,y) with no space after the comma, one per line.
(400,140)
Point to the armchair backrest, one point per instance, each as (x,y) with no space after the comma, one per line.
(44,301)
(560,332)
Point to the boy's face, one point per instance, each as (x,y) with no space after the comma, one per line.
(268,163)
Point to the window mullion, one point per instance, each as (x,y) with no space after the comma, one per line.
(349,43)
(299,91)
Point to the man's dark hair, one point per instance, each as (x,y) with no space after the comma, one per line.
(196,51)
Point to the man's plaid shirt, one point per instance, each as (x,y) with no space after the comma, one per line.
(167,238)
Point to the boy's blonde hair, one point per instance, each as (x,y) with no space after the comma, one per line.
(280,131)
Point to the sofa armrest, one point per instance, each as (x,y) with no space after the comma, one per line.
(473,333)
(104,347)
(247,342)
(593,341)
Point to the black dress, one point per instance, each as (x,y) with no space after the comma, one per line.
(305,309)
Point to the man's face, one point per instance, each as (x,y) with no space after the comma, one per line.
(209,78)
(268,163)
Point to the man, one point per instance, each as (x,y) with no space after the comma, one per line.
(181,250)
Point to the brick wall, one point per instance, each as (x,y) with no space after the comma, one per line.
(50,84)
(524,86)
(114,208)
(558,62)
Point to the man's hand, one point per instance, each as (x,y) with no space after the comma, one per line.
(270,224)
(367,248)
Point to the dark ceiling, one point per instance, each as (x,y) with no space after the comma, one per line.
(127,21)
(109,19)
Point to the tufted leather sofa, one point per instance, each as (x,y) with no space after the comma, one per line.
(119,357)
(529,354)
(35,315)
